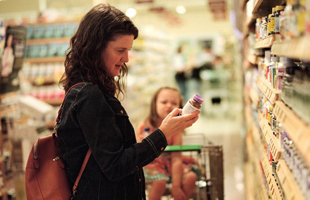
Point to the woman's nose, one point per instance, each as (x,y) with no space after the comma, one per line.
(125,58)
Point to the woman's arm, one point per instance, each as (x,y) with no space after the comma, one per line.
(116,157)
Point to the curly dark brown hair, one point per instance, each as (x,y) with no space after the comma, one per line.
(100,25)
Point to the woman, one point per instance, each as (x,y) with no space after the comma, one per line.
(92,117)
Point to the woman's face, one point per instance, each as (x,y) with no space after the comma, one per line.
(116,53)
(167,100)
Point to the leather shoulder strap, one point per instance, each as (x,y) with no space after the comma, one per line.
(88,152)
(59,111)
(81,171)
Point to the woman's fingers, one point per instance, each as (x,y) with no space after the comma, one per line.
(175,112)
(191,116)
(173,123)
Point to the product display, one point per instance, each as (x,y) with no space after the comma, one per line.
(278,125)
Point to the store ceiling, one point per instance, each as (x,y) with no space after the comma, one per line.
(200,14)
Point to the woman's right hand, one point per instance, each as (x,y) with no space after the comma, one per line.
(173,123)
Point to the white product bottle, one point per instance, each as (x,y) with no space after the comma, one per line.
(192,104)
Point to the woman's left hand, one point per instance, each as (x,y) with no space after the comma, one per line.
(178,193)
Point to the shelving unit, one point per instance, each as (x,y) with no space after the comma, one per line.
(43,66)
(7,108)
(2,169)
(295,48)
(288,182)
(270,139)
(45,60)
(266,88)
(298,130)
(261,8)
(254,97)
(266,152)
(265,43)
(48,40)
(257,189)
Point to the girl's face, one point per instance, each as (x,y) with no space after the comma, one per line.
(167,100)
(116,53)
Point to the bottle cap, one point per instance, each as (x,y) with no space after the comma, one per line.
(198,98)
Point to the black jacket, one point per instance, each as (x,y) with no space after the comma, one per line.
(93,118)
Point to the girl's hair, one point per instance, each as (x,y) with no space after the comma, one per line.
(153,117)
(100,25)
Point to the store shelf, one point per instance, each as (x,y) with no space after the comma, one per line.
(260,191)
(252,59)
(62,20)
(288,182)
(259,147)
(271,140)
(271,94)
(273,188)
(8,95)
(297,130)
(53,102)
(48,41)
(45,59)
(265,42)
(264,7)
(249,27)
(297,48)
(42,80)
(254,97)
(7,110)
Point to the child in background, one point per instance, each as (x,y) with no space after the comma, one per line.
(158,172)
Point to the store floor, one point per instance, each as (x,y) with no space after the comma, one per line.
(228,133)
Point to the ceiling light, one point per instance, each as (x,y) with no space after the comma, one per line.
(180,9)
(131,12)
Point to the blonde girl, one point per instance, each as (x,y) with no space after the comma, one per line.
(167,166)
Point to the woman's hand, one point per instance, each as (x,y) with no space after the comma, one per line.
(173,123)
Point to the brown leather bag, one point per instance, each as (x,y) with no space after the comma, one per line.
(45,175)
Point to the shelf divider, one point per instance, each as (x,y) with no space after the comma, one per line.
(288,182)
(298,130)
(297,48)
(266,88)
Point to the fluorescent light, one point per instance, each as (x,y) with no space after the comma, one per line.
(180,9)
(131,12)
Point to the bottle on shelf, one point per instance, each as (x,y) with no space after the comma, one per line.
(193,104)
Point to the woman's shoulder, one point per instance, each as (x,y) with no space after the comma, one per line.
(86,91)
(90,89)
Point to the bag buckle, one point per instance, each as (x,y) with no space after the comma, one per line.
(73,194)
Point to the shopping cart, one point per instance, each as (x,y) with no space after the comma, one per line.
(210,183)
